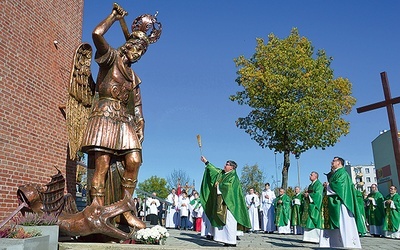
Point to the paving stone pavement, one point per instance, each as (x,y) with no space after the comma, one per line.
(192,240)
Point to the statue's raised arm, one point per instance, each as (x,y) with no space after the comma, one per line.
(117,13)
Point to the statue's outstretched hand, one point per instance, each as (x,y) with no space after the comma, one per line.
(203,159)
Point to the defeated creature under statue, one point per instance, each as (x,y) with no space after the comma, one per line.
(94,219)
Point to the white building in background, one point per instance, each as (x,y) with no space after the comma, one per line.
(385,162)
(363,176)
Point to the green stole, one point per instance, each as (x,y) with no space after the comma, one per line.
(231,198)
(195,203)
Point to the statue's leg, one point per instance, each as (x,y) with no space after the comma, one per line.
(132,164)
(102,162)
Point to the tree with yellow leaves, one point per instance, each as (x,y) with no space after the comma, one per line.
(296,102)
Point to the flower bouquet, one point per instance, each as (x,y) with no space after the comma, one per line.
(152,236)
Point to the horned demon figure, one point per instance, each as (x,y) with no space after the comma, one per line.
(94,219)
(106,119)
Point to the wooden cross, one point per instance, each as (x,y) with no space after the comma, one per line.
(388,103)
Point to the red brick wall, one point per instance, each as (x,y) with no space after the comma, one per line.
(33,84)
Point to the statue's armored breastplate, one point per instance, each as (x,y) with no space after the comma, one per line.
(117,91)
(117,84)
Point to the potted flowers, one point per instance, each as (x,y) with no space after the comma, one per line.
(45,223)
(13,237)
(154,235)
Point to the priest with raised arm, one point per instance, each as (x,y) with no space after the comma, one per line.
(223,201)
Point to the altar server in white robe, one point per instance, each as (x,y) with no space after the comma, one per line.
(172,219)
(153,205)
(267,201)
(253,202)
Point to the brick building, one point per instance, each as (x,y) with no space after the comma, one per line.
(34,75)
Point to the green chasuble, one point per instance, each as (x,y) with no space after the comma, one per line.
(297,210)
(340,182)
(304,214)
(375,214)
(360,203)
(282,210)
(392,216)
(314,219)
(232,197)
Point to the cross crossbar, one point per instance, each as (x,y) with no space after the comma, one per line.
(388,103)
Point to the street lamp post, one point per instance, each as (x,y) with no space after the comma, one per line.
(298,168)
(276,168)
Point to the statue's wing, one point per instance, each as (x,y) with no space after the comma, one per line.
(81,91)
(53,194)
(53,198)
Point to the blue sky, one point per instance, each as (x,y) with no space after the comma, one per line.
(189,74)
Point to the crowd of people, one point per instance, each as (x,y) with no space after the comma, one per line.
(183,211)
(330,213)
(179,210)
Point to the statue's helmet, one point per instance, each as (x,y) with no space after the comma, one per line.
(147,28)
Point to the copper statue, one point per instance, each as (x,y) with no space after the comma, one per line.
(106,119)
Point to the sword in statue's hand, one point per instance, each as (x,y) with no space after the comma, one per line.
(122,22)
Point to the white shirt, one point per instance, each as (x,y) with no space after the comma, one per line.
(184,206)
(249,199)
(173,198)
(270,199)
(153,207)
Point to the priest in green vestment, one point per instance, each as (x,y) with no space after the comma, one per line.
(313,203)
(391,224)
(304,215)
(374,211)
(344,219)
(361,207)
(223,201)
(282,212)
(297,211)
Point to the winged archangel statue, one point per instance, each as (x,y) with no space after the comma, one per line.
(105,118)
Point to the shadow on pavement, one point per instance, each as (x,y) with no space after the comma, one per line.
(198,240)
(279,241)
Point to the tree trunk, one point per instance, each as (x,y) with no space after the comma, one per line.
(285,169)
